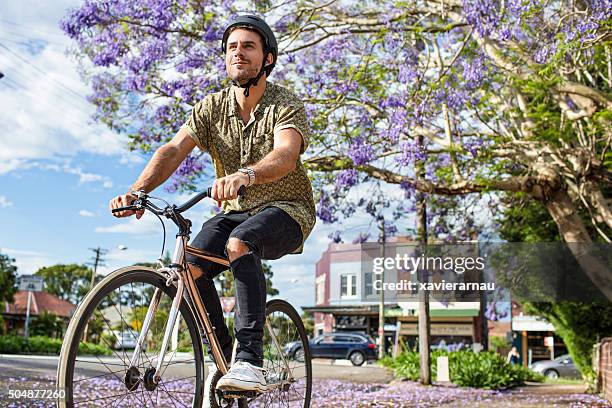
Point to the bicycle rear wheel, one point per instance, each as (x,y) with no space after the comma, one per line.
(112,314)
(290,371)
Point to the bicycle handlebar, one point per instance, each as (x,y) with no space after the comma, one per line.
(143,203)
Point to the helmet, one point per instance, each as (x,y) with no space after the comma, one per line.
(259,25)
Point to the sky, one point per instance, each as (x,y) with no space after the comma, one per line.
(58,169)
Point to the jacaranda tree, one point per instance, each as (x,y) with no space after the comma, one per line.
(508,97)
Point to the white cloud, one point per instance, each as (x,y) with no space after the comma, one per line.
(5,203)
(85,213)
(43,100)
(8,165)
(66,167)
(148,225)
(28,262)
(117,258)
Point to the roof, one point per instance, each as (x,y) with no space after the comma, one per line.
(41,302)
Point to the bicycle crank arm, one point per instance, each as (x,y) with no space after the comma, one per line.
(174,310)
(145,325)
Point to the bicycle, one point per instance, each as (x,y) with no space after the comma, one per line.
(161,308)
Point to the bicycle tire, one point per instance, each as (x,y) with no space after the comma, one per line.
(85,309)
(274,307)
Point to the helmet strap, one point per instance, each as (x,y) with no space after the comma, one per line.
(253,81)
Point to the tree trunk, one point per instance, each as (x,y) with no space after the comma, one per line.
(572,229)
(424,319)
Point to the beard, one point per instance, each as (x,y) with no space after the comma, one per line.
(242,75)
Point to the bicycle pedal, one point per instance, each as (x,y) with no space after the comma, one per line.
(229,394)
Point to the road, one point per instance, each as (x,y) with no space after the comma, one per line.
(336,384)
(46,366)
(24,372)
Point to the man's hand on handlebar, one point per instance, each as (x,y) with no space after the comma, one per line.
(124,200)
(226,188)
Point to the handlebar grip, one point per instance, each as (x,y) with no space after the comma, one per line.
(128,208)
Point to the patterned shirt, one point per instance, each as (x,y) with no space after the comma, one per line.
(216,126)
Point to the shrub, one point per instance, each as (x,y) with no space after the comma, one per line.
(94,349)
(44,345)
(467,369)
(12,344)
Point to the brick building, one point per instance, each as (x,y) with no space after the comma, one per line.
(340,306)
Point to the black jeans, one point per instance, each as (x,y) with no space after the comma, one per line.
(269,234)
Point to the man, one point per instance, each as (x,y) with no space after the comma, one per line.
(255,132)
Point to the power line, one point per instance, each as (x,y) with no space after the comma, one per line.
(27,37)
(42,72)
(20,88)
(30,29)
(22,77)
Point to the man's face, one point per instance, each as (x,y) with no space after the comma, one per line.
(244,55)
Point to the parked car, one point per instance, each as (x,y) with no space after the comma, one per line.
(126,340)
(356,347)
(562,366)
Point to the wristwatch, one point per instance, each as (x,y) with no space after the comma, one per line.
(249,172)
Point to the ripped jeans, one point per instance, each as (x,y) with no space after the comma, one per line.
(269,234)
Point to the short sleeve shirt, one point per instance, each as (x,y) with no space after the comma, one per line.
(216,127)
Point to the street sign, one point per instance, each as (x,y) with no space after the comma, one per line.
(228,303)
(31,283)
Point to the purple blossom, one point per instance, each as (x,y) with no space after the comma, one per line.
(410,152)
(483,15)
(347,178)
(361,238)
(544,54)
(360,151)
(335,237)
(325,210)
(474,72)
(190,168)
(78,19)
(408,187)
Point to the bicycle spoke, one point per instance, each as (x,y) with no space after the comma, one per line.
(123,307)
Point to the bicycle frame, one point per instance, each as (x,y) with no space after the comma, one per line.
(187,290)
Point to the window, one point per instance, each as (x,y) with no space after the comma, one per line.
(348,285)
(327,339)
(369,284)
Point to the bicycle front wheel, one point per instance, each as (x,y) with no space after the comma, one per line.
(97,366)
(287,359)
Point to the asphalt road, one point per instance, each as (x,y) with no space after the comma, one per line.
(39,372)
(46,366)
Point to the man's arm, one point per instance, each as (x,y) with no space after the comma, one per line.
(274,166)
(281,160)
(164,162)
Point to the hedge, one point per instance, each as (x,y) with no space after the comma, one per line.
(44,345)
(486,370)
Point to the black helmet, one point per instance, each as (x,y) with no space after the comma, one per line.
(257,24)
(270,44)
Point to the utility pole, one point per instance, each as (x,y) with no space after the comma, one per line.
(97,261)
(424,318)
(381,306)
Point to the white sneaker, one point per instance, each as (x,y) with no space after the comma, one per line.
(243,376)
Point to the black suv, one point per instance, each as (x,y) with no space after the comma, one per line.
(356,347)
